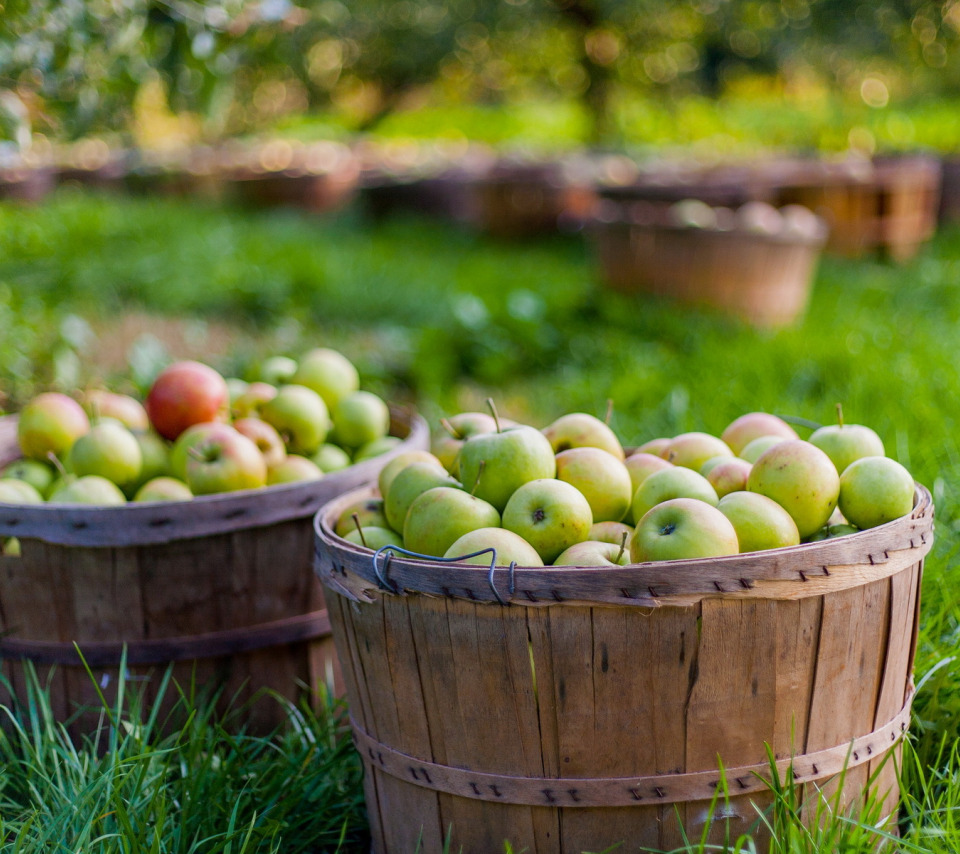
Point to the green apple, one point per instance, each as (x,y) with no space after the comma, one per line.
(692,450)
(329,373)
(844,443)
(759,521)
(410,482)
(276,370)
(110,450)
(400,462)
(100,403)
(743,430)
(640,464)
(251,401)
(13,491)
(359,418)
(265,436)
(601,477)
(676,482)
(373,537)
(510,548)
(154,456)
(235,387)
(10,547)
(755,448)
(729,476)
(582,430)
(594,553)
(801,479)
(376,448)
(653,446)
(38,474)
(712,463)
(293,469)
(549,514)
(300,415)
(369,513)
(445,444)
(90,489)
(683,529)
(184,442)
(438,517)
(163,488)
(610,532)
(225,461)
(494,465)
(831,532)
(49,424)
(875,490)
(331,458)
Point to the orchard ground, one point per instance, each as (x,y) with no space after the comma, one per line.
(97,287)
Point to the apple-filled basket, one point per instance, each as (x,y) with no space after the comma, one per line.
(219,586)
(572,708)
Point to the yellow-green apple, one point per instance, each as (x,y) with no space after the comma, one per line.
(509,547)
(38,474)
(154,456)
(692,450)
(730,476)
(844,443)
(683,529)
(276,370)
(676,482)
(375,448)
(331,458)
(373,537)
(582,430)
(299,415)
(759,521)
(49,424)
(549,514)
(13,491)
(369,513)
(874,490)
(10,547)
(438,517)
(186,393)
(801,479)
(90,489)
(410,482)
(594,553)
(251,401)
(743,430)
(292,469)
(100,403)
(712,463)
(831,532)
(359,418)
(184,442)
(110,450)
(641,464)
(446,442)
(225,461)
(601,477)
(400,462)
(163,488)
(494,465)
(329,373)
(610,532)
(235,387)
(653,446)
(754,449)
(265,437)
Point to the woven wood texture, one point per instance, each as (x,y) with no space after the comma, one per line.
(590,688)
(224,589)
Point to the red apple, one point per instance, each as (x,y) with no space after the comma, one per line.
(186,393)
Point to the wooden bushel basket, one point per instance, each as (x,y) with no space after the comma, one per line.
(762,279)
(221,587)
(572,709)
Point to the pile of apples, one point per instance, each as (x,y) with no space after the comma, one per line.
(197,433)
(569,495)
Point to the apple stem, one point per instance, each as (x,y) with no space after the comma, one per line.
(476,483)
(356,521)
(450,429)
(840,414)
(607,418)
(493,411)
(623,545)
(55,461)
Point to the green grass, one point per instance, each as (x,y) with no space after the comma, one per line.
(444,317)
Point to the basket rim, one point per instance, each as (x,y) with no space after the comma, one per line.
(789,572)
(153,523)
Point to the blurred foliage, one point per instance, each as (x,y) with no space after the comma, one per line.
(71,67)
